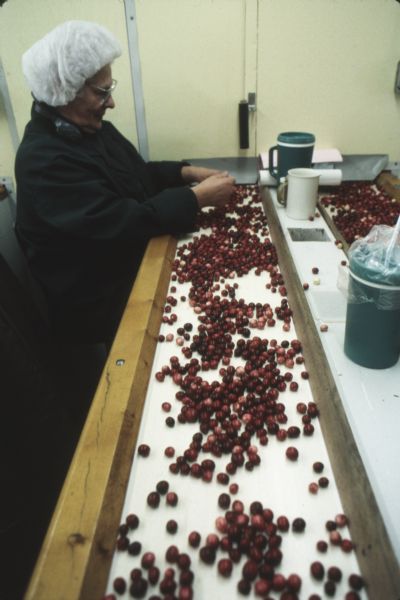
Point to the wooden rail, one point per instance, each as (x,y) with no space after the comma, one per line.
(76,555)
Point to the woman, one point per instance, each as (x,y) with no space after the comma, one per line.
(87,201)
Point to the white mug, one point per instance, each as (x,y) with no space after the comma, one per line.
(299,193)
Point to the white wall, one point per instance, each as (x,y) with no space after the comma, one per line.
(326,66)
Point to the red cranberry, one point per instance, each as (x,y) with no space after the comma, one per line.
(153,499)
(318,467)
(223,478)
(262,587)
(282,523)
(148,560)
(322,546)
(132,521)
(224,500)
(244,587)
(250,570)
(169,451)
(184,561)
(294,582)
(341,520)
(166,406)
(122,543)
(278,582)
(144,450)
(292,453)
(194,539)
(172,498)
(347,545)
(172,554)
(153,575)
(225,567)
(313,488)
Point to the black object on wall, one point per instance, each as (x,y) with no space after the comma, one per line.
(244,124)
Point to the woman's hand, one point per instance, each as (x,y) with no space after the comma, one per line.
(215,190)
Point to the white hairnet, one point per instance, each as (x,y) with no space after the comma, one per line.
(57,66)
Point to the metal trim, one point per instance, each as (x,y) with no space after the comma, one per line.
(137,87)
(4,93)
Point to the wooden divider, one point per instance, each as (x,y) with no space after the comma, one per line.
(374,551)
(76,555)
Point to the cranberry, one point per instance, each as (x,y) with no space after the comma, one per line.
(171,526)
(138,588)
(282,523)
(172,554)
(317,570)
(153,499)
(135,548)
(341,520)
(313,488)
(153,575)
(207,555)
(347,545)
(224,500)
(318,467)
(294,582)
(170,422)
(322,546)
(330,588)
(298,525)
(169,451)
(356,582)
(148,560)
(144,450)
(323,482)
(122,543)
(194,539)
(244,587)
(292,453)
(162,487)
(132,521)
(184,561)
(262,587)
(166,406)
(172,498)
(225,567)
(334,574)
(250,570)
(119,585)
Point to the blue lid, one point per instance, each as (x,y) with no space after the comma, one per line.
(296,137)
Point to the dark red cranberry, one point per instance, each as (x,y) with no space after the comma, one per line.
(144,450)
(330,588)
(318,467)
(171,555)
(356,582)
(119,585)
(334,574)
(223,478)
(135,548)
(294,582)
(153,575)
(323,482)
(170,422)
(171,526)
(250,570)
(322,546)
(207,555)
(298,525)
(122,543)
(132,521)
(317,570)
(224,501)
(184,561)
(138,588)
(244,587)
(282,523)
(169,451)
(153,499)
(194,539)
(162,487)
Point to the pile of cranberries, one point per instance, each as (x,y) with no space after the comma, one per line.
(236,411)
(357,207)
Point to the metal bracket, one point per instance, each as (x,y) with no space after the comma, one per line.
(133,43)
(251,99)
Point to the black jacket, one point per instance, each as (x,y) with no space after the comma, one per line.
(86,209)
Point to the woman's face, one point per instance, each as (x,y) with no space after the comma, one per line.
(88,108)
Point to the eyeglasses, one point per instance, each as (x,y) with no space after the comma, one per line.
(104,93)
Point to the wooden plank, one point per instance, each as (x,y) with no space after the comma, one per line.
(76,555)
(374,551)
